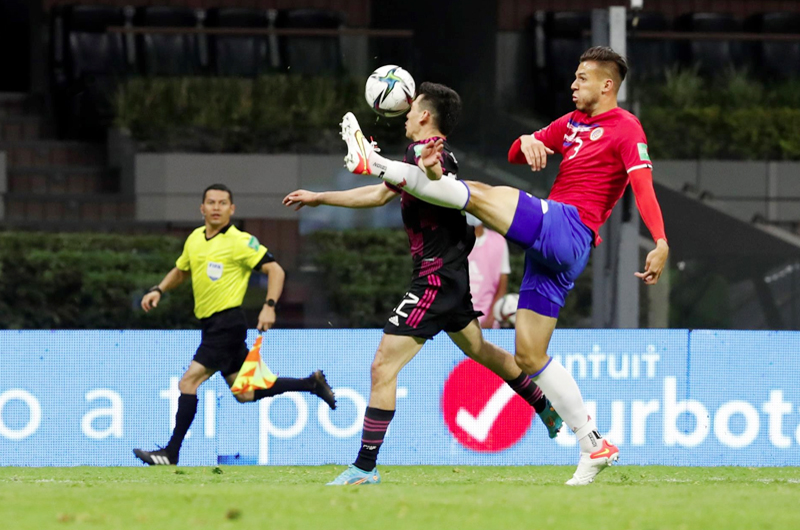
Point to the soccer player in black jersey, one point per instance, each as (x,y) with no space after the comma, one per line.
(438,298)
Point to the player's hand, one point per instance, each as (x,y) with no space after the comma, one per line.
(302,198)
(150,300)
(266,319)
(430,159)
(654,264)
(535,151)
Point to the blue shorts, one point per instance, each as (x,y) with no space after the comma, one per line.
(557,246)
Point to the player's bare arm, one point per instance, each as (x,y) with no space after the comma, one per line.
(276,277)
(535,151)
(654,263)
(362,197)
(174,278)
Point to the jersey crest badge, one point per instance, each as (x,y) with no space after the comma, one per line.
(596,134)
(253,243)
(214,271)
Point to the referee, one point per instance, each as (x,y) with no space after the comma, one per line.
(219,257)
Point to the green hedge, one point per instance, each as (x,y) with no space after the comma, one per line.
(717,133)
(88,281)
(366,272)
(96,281)
(732,117)
(276,113)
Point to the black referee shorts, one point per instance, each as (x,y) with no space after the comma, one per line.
(437,302)
(223,346)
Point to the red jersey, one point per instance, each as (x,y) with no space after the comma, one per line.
(599,154)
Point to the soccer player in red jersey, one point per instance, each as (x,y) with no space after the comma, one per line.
(604,148)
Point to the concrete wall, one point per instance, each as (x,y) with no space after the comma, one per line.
(746,188)
(3,185)
(168,187)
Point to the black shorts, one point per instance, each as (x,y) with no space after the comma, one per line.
(223,346)
(437,302)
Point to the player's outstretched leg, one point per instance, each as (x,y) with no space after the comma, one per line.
(362,159)
(494,205)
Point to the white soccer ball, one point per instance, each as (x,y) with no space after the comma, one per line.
(505,309)
(390,91)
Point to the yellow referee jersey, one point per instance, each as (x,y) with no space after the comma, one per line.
(220,267)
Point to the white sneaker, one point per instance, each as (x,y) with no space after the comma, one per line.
(591,464)
(358,147)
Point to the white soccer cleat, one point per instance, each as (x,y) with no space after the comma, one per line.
(591,464)
(358,147)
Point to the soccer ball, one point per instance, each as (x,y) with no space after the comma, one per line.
(505,309)
(390,91)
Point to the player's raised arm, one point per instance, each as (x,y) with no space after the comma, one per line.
(527,149)
(363,197)
(533,149)
(649,209)
(173,279)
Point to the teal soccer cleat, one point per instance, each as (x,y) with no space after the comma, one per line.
(352,476)
(551,420)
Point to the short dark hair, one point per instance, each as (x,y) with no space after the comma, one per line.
(444,104)
(220,187)
(607,56)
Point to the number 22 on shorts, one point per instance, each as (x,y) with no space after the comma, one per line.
(408,298)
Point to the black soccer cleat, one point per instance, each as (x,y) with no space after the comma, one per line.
(323,389)
(155,458)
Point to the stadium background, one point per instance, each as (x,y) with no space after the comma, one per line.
(87,169)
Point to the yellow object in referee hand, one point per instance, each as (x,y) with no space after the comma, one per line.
(254,374)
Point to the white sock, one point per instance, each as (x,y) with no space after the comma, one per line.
(563,392)
(446,192)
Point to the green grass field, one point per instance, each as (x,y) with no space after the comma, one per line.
(434,498)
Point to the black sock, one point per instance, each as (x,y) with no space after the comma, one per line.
(527,389)
(286,384)
(187,408)
(376,421)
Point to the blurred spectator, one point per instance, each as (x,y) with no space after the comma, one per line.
(488,270)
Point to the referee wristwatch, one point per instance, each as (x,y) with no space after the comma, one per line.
(270,302)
